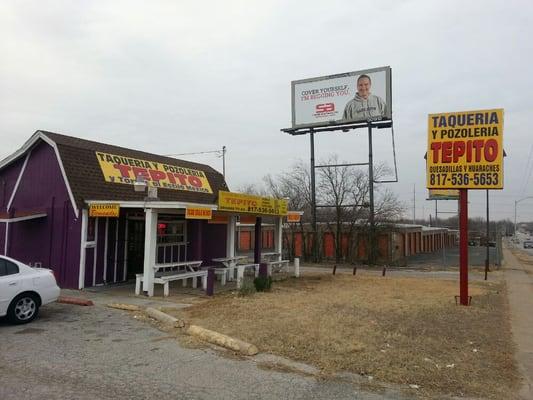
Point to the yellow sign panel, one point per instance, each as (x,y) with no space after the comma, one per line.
(465,150)
(198,213)
(293,216)
(125,170)
(443,194)
(245,203)
(104,210)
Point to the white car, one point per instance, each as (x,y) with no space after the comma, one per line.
(24,289)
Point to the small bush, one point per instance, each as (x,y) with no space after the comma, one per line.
(263,284)
(247,288)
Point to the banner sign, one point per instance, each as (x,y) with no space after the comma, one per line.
(358,96)
(125,170)
(104,210)
(198,213)
(245,203)
(443,194)
(294,216)
(465,150)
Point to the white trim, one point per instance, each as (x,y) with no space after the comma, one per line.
(105,249)
(62,168)
(230,236)
(25,218)
(19,178)
(126,251)
(278,245)
(83,241)
(96,223)
(116,251)
(150,239)
(6,239)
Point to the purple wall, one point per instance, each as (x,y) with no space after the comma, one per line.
(208,241)
(54,240)
(8,178)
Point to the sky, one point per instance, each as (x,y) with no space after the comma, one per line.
(174,77)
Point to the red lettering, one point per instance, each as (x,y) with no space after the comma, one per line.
(170,177)
(478,145)
(446,152)
(157,175)
(195,181)
(491,150)
(124,170)
(458,150)
(142,172)
(435,146)
(182,178)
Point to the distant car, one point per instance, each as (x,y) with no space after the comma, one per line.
(528,244)
(24,289)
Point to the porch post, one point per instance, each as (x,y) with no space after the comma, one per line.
(230,242)
(150,234)
(278,245)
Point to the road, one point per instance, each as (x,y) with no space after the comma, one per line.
(73,352)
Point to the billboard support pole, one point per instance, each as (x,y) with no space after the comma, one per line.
(313,195)
(371,197)
(463,246)
(487,241)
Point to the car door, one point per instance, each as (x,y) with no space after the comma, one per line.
(10,283)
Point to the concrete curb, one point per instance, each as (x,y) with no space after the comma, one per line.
(165,318)
(222,340)
(74,300)
(123,306)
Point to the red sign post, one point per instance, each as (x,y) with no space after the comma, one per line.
(463,246)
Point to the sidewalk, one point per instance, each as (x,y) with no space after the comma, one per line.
(519,278)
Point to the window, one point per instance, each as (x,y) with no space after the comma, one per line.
(91,224)
(8,268)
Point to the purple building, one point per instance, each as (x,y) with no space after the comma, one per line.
(49,186)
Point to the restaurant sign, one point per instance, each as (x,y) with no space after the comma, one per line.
(125,170)
(294,216)
(104,210)
(246,203)
(465,150)
(198,213)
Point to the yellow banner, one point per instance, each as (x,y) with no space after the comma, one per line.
(104,210)
(465,150)
(121,169)
(198,213)
(245,203)
(443,194)
(294,216)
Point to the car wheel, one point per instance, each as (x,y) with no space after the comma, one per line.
(23,309)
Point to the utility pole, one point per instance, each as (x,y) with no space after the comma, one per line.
(414,204)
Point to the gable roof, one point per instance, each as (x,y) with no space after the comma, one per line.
(83,174)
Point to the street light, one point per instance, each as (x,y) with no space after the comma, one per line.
(515,203)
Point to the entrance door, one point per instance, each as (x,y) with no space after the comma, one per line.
(135,247)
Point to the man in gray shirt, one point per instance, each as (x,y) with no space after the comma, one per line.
(364,106)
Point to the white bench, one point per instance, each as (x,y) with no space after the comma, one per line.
(164,280)
(277,266)
(240,272)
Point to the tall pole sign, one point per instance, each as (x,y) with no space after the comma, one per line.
(465,151)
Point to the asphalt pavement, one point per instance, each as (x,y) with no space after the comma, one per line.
(73,352)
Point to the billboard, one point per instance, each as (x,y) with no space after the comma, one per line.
(358,96)
(125,170)
(443,194)
(247,203)
(465,150)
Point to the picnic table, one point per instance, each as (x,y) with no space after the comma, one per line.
(230,265)
(174,271)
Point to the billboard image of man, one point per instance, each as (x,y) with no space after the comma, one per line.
(365,105)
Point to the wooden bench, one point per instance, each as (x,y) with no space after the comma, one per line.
(165,278)
(277,266)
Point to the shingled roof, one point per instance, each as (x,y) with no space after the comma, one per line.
(87,182)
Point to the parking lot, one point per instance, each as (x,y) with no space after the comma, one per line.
(73,352)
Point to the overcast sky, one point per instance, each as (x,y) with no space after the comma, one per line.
(174,77)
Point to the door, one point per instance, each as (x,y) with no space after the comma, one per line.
(135,249)
(10,283)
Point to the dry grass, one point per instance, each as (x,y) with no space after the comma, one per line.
(398,330)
